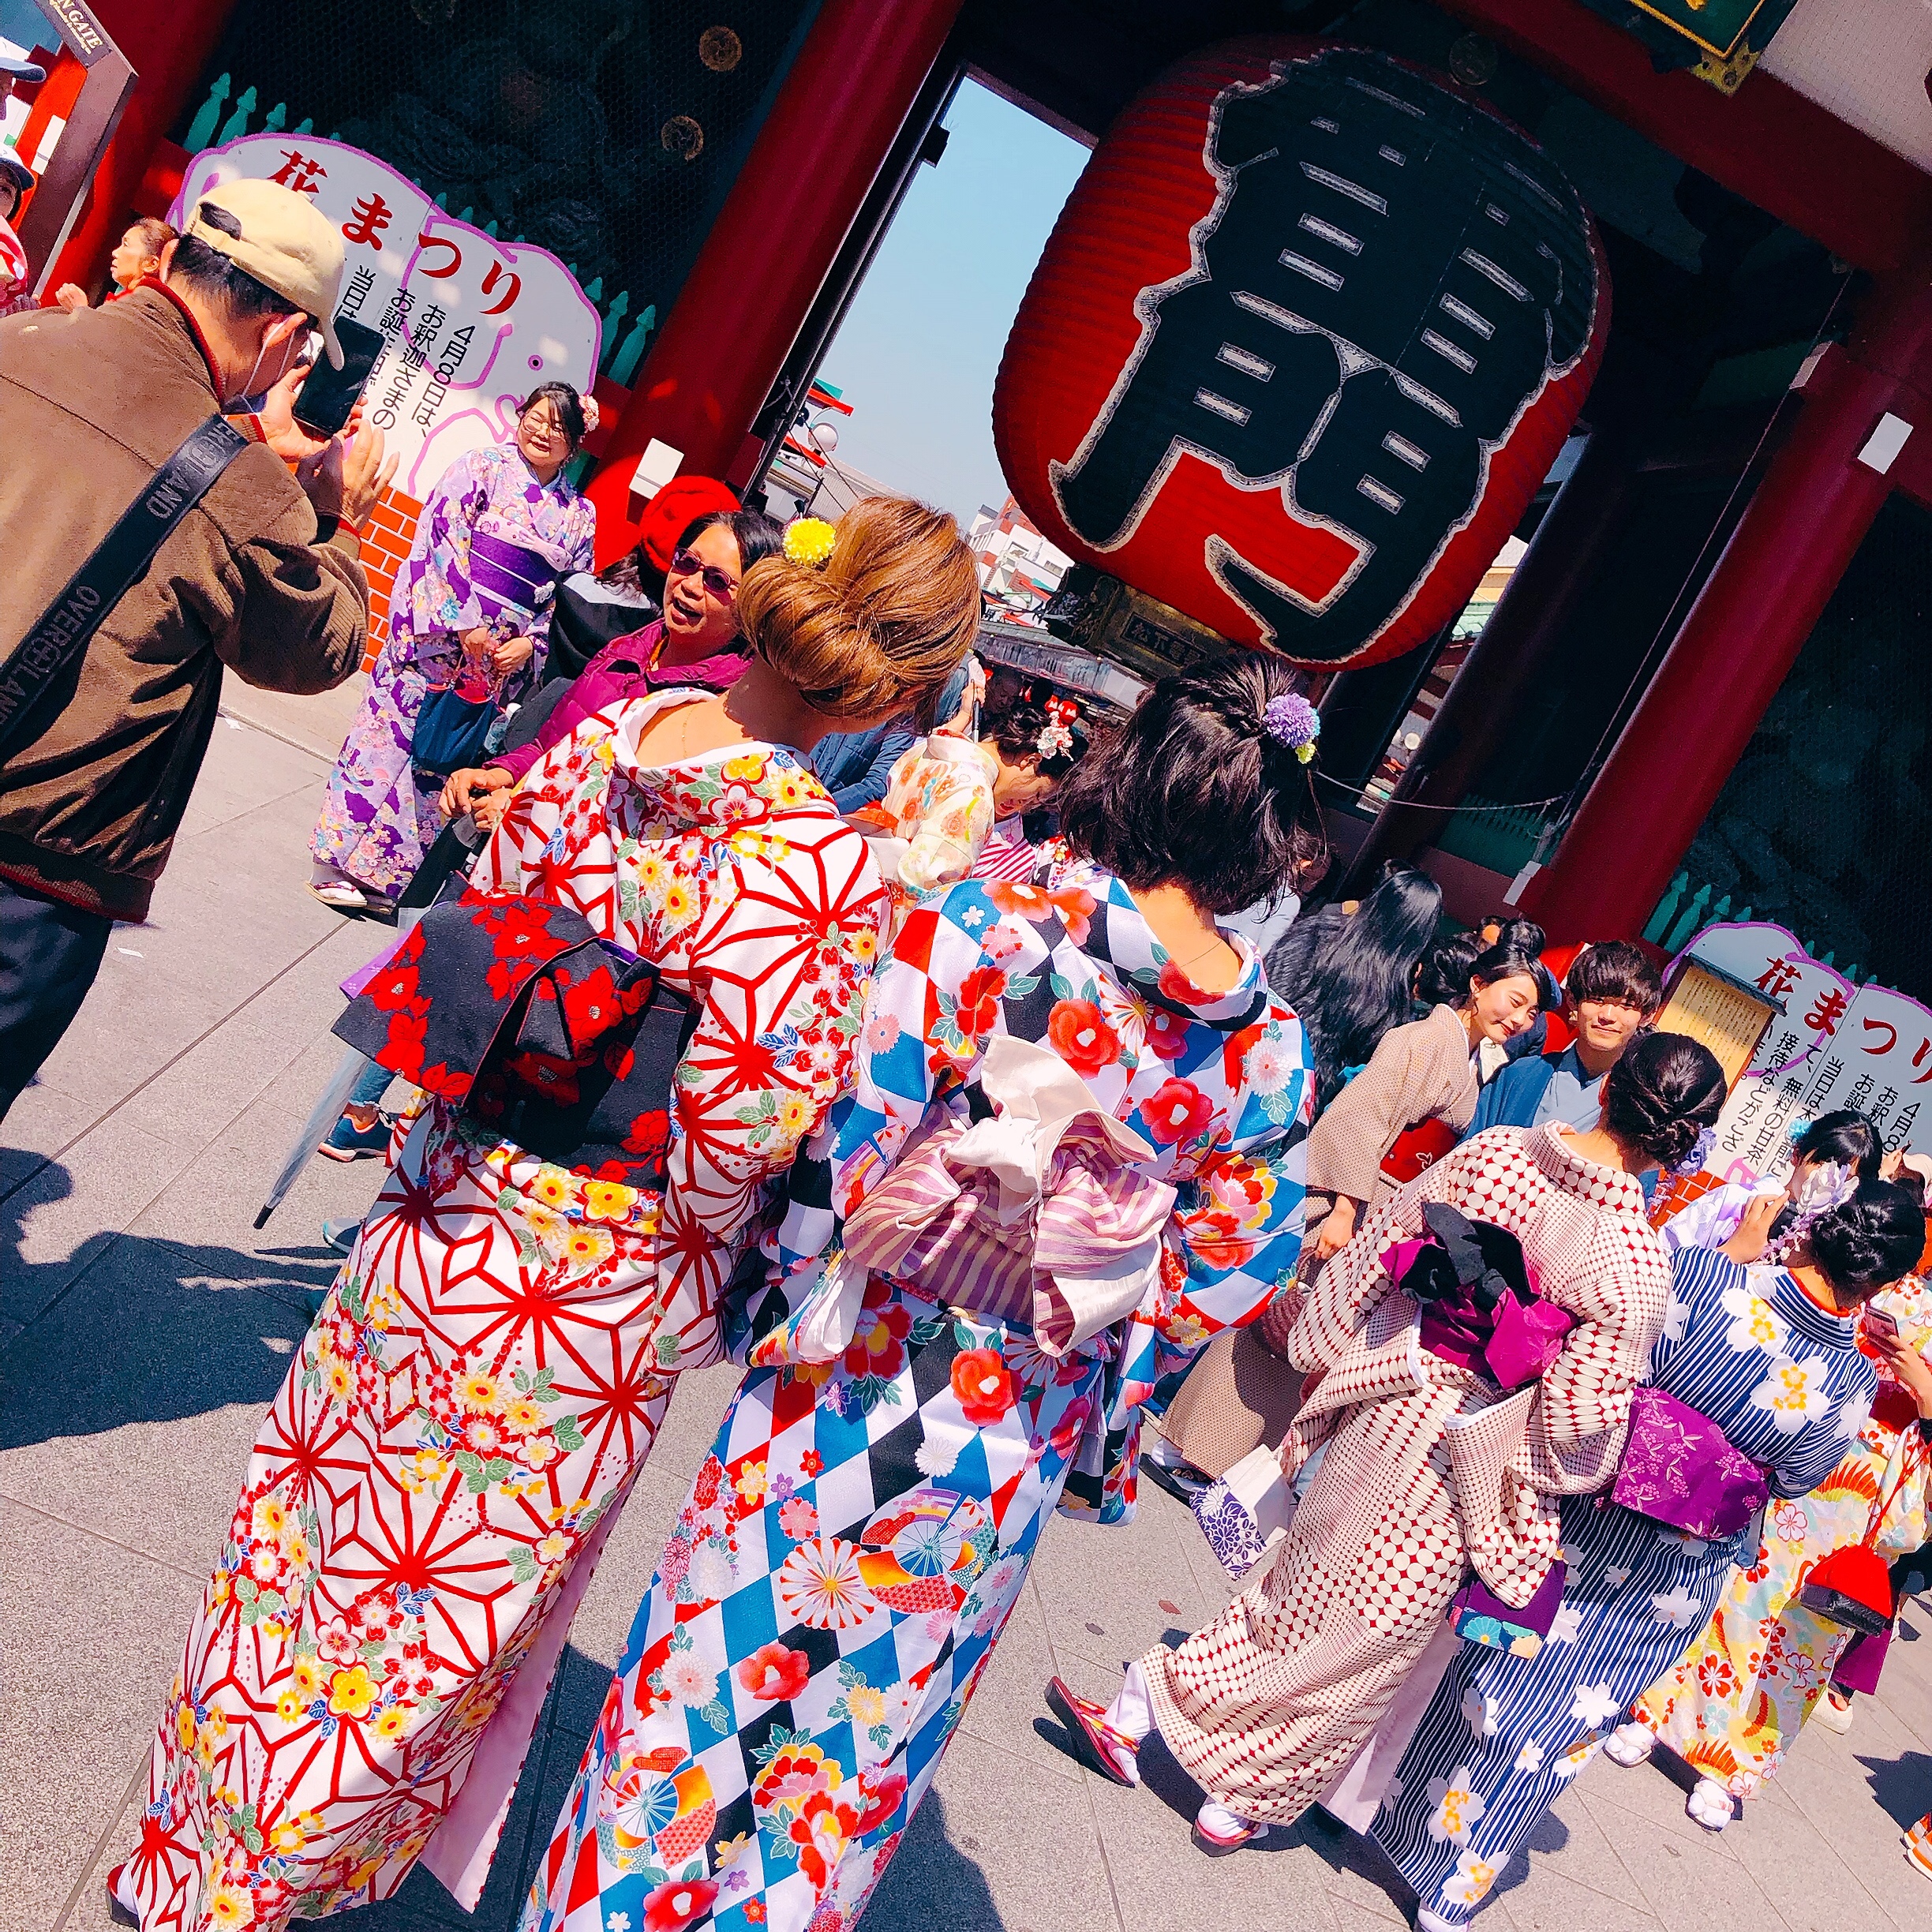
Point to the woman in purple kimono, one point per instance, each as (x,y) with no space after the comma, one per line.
(471,609)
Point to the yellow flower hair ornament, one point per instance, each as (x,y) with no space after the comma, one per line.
(809,541)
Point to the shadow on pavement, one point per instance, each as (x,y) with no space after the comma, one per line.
(128,1328)
(1902,1786)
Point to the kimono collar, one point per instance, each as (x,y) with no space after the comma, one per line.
(560,485)
(717,791)
(1120,935)
(1602,1187)
(1779,1287)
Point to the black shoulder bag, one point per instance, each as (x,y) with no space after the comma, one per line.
(61,636)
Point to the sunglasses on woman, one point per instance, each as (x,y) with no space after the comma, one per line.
(719,583)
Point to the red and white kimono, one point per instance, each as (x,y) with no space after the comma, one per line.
(429,1490)
(1426,1471)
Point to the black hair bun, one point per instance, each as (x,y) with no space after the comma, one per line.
(1872,1240)
(1662,1095)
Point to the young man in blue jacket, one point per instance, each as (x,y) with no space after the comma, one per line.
(1611,993)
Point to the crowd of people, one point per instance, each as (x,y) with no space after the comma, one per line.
(770,982)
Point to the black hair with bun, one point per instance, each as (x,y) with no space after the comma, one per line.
(1846,1137)
(1662,1095)
(1444,976)
(1869,1242)
(1193,789)
(1032,712)
(568,404)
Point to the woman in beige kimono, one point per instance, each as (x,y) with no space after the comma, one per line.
(1429,1466)
(1422,1072)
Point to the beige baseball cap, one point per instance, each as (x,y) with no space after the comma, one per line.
(286,243)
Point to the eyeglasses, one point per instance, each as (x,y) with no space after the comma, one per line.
(719,583)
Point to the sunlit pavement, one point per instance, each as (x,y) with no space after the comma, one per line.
(143,1324)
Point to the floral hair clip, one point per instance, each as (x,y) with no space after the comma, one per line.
(1056,737)
(592,415)
(1292,721)
(1699,1153)
(809,541)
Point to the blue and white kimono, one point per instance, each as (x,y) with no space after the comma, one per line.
(1503,1736)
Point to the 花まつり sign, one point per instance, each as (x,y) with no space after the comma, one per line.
(470,324)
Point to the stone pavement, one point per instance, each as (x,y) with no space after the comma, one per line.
(143,1324)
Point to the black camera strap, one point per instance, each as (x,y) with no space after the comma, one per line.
(61,636)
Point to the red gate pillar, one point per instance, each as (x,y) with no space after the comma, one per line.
(169,48)
(841,106)
(1742,635)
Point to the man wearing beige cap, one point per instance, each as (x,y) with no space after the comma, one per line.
(262,574)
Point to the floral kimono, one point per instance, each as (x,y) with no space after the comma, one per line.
(853,1546)
(933,822)
(379,818)
(1504,1736)
(1733,1705)
(429,1491)
(1425,1472)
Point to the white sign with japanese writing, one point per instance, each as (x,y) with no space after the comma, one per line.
(1837,1045)
(472,324)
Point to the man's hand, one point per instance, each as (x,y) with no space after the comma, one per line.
(1754,1232)
(289,440)
(488,809)
(365,473)
(71,297)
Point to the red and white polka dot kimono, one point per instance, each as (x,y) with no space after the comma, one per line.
(1426,1470)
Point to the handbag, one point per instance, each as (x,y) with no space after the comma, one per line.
(1482,1617)
(1680,1467)
(1852,1586)
(59,637)
(510,582)
(1246,1512)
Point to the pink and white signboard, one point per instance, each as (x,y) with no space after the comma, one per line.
(472,324)
(1837,1045)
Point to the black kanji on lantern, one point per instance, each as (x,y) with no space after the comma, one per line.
(1389,277)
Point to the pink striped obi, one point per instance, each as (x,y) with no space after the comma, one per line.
(1041,1215)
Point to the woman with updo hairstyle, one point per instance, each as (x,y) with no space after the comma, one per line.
(541,1306)
(925,1396)
(1771,1365)
(1442,1445)
(1423,1071)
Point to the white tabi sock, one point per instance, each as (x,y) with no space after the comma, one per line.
(1132,1713)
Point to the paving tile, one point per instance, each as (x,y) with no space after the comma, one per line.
(86,1909)
(993,1849)
(93,1634)
(1687,1884)
(1546,1901)
(1098,1585)
(1009,1697)
(145,1441)
(1571,1836)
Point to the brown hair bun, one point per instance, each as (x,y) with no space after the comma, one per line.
(881,626)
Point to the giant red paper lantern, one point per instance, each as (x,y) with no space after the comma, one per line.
(1308,334)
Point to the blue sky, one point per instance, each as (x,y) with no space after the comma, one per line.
(921,345)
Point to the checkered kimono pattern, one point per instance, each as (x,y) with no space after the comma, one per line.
(1504,1736)
(485,1378)
(851,1550)
(1425,1471)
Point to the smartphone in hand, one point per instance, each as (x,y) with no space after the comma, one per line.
(1879,1324)
(327,397)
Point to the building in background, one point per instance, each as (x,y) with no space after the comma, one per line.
(1019,569)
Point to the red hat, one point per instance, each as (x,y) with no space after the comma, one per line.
(674,508)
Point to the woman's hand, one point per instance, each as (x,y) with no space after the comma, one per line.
(508,654)
(1754,1232)
(458,794)
(1905,1365)
(487,809)
(1336,1232)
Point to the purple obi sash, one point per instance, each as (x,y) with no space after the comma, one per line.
(511,581)
(1480,1308)
(1678,1468)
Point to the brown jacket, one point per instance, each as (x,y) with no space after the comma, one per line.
(91,405)
(1419,1072)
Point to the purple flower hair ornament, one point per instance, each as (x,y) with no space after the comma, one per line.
(1699,1152)
(1293,723)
